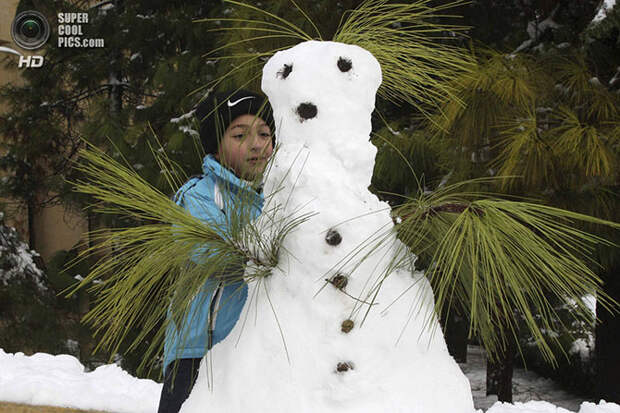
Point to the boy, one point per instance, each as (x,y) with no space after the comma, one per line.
(238,157)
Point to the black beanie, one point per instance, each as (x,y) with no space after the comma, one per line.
(216,113)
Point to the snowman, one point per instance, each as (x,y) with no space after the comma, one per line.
(335,327)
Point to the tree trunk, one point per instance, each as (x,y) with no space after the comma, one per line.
(31,205)
(85,338)
(116,75)
(499,373)
(456,331)
(607,356)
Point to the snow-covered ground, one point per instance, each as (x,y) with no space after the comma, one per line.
(61,380)
(44,379)
(526,386)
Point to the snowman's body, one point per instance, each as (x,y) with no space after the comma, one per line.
(289,353)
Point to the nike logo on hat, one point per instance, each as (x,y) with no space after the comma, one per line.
(231,104)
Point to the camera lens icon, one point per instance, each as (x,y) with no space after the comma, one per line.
(30,30)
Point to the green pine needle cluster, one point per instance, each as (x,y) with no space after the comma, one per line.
(148,271)
(409,40)
(537,127)
(500,261)
(538,121)
(412,46)
(271,31)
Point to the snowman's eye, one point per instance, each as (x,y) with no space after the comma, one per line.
(285,71)
(344,64)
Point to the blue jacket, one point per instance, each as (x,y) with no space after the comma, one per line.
(210,197)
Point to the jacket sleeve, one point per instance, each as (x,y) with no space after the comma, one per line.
(197,199)
(203,207)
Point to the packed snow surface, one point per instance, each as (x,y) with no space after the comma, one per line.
(61,380)
(545,407)
(289,352)
(44,379)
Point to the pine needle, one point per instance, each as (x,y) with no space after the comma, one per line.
(496,258)
(417,65)
(151,272)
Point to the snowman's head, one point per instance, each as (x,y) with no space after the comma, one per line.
(322,93)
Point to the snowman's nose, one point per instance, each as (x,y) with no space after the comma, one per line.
(306,111)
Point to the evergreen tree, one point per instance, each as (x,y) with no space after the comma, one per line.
(30,318)
(540,124)
(547,114)
(139,87)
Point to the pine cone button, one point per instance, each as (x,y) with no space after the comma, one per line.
(344,366)
(339,281)
(333,238)
(346,326)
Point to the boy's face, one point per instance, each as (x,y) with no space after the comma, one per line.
(246,146)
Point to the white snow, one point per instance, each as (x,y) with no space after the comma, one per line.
(287,346)
(606,7)
(103,5)
(189,131)
(545,407)
(44,379)
(22,264)
(184,116)
(602,407)
(590,301)
(526,385)
(582,347)
(113,80)
(535,30)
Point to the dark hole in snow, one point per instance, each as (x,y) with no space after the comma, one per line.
(344,64)
(285,71)
(344,366)
(339,281)
(333,237)
(306,111)
(347,325)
